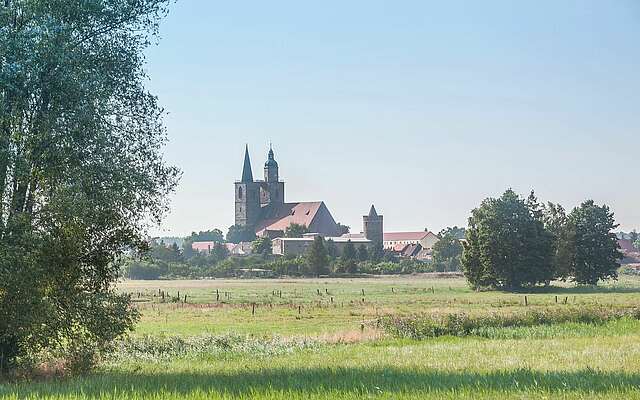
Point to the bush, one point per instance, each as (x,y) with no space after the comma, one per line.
(462,324)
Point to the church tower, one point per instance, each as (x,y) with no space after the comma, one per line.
(373,226)
(272,189)
(247,193)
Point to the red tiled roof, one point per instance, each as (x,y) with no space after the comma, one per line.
(399,248)
(202,246)
(279,217)
(393,236)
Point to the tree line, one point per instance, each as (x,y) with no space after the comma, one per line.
(513,242)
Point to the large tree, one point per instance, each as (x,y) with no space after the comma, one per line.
(597,254)
(317,257)
(81,170)
(349,258)
(447,251)
(558,225)
(239,233)
(507,244)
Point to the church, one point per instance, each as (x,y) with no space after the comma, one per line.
(260,204)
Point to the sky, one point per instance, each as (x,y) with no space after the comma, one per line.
(423,108)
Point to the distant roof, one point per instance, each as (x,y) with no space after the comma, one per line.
(627,246)
(333,239)
(353,236)
(202,246)
(394,236)
(278,217)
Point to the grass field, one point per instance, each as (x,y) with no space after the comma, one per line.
(316,339)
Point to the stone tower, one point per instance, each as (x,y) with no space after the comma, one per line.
(373,226)
(247,195)
(272,189)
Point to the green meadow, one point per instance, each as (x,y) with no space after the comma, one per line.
(318,338)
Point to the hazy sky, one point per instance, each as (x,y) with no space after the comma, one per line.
(422,108)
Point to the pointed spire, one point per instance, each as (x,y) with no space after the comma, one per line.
(247,175)
(372,212)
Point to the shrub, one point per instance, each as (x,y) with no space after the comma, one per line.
(463,324)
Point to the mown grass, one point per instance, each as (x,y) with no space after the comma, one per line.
(222,351)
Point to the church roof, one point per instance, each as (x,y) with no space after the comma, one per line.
(271,161)
(247,175)
(278,217)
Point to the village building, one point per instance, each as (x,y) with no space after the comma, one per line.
(373,226)
(260,204)
(397,241)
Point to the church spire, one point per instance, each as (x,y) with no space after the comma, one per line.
(247,175)
(373,212)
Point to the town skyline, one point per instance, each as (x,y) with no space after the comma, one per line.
(441,118)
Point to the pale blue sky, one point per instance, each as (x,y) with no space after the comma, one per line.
(422,108)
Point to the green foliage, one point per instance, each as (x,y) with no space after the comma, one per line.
(455,232)
(377,252)
(557,223)
(596,247)
(81,169)
(332,249)
(214,235)
(447,251)
(317,257)
(159,251)
(238,233)
(343,229)
(464,324)
(507,244)
(348,259)
(363,253)
(295,231)
(262,246)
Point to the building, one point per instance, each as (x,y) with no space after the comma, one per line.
(394,240)
(372,225)
(298,246)
(260,204)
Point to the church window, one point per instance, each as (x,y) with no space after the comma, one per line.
(240,193)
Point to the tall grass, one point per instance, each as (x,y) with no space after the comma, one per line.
(169,348)
(485,324)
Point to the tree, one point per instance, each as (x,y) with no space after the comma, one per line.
(219,252)
(343,229)
(636,244)
(348,258)
(507,244)
(317,258)
(239,233)
(363,253)
(81,169)
(295,231)
(455,232)
(447,252)
(633,236)
(262,246)
(332,249)
(557,224)
(377,252)
(597,254)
